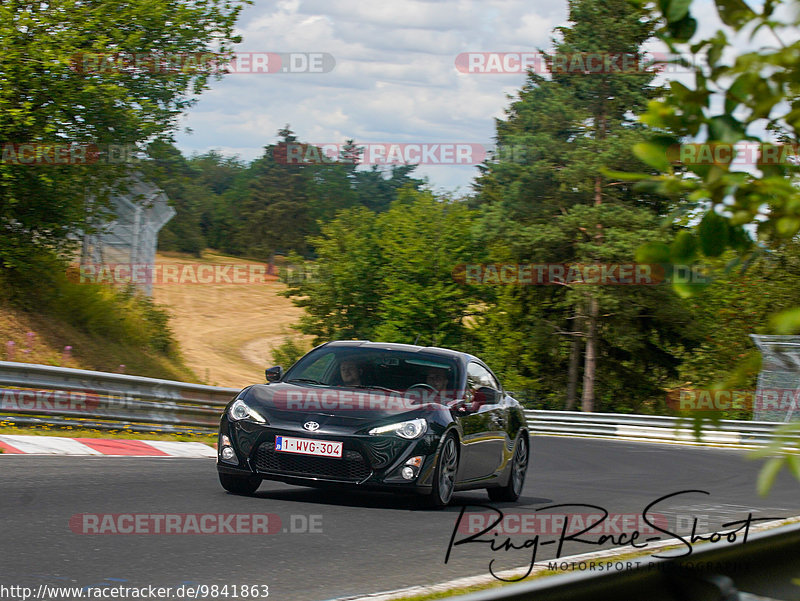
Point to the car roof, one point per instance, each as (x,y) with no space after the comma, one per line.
(396,346)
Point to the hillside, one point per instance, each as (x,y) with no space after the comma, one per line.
(226,330)
(41,339)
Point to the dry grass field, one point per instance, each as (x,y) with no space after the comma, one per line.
(41,339)
(226,331)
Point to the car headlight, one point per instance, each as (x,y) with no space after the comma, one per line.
(240,410)
(411,429)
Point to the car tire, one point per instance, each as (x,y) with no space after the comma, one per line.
(516,479)
(444,478)
(240,485)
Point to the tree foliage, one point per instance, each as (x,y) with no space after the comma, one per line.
(756,122)
(760,92)
(275,205)
(389,276)
(68,77)
(556,207)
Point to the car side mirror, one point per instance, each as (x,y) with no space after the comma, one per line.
(486,396)
(274,374)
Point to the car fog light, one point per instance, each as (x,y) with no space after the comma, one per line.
(227,453)
(411,468)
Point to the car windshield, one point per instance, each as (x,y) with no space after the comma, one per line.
(357,367)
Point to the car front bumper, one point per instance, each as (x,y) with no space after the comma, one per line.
(368,462)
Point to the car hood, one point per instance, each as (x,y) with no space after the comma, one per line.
(291,405)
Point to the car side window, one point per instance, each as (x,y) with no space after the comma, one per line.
(478,375)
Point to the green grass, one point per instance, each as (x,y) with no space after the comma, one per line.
(43,309)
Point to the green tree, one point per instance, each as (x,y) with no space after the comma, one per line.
(274,209)
(168,169)
(216,171)
(424,240)
(68,77)
(553,204)
(759,90)
(217,174)
(377,188)
(277,203)
(341,300)
(735,305)
(390,276)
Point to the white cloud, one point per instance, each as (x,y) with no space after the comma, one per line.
(394,80)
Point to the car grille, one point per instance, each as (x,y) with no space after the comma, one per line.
(350,468)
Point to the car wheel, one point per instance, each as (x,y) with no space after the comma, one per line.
(444,479)
(519,467)
(240,485)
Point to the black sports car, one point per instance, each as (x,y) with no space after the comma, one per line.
(379,416)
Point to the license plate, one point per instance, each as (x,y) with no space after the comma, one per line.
(308,446)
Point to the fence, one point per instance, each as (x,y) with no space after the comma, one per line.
(652,428)
(41,394)
(132,236)
(780,370)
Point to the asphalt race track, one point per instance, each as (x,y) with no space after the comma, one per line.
(362,542)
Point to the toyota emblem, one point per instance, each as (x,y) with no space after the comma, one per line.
(311,426)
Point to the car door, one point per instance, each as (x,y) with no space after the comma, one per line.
(482,425)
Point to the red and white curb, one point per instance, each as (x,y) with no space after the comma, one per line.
(54,445)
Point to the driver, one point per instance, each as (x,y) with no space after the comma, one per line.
(437,379)
(350,371)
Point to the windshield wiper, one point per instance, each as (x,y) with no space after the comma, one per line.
(307,381)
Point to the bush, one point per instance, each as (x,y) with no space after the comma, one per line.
(288,352)
(45,285)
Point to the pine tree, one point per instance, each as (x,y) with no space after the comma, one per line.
(274,211)
(552,204)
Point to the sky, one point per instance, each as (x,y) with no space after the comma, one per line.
(395,79)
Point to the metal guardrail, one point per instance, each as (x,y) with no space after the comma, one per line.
(654,428)
(42,394)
